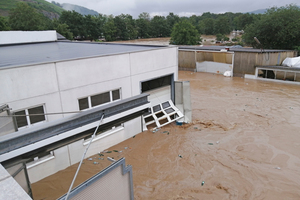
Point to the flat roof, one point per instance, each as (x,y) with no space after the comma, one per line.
(231,49)
(38,53)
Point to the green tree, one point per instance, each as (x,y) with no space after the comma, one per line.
(277,29)
(143,25)
(62,29)
(25,18)
(184,33)
(243,20)
(125,27)
(207,26)
(76,23)
(109,29)
(159,27)
(171,20)
(222,25)
(4,24)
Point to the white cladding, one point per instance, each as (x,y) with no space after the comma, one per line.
(59,85)
(19,37)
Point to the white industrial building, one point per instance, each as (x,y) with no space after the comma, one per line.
(57,91)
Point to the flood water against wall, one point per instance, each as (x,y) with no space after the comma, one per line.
(244,143)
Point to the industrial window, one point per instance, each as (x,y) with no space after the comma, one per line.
(30,116)
(156,83)
(99,99)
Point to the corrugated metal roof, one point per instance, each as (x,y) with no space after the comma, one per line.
(29,54)
(231,49)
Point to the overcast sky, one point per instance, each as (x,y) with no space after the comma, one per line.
(179,7)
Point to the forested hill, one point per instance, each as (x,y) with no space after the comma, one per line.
(51,10)
(48,9)
(79,9)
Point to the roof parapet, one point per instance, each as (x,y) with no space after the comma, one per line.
(21,37)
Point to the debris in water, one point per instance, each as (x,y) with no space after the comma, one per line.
(120,151)
(235,94)
(195,154)
(218,142)
(126,148)
(277,168)
(100,154)
(166,132)
(202,183)
(95,163)
(90,159)
(195,127)
(180,156)
(210,143)
(100,158)
(179,123)
(108,151)
(155,130)
(133,136)
(291,107)
(115,150)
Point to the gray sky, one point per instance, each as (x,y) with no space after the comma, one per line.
(179,7)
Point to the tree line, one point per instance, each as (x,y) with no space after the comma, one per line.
(277,28)
(121,27)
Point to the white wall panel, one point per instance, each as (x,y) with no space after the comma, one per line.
(26,82)
(77,73)
(60,162)
(149,61)
(51,101)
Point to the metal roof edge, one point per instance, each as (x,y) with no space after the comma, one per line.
(79,58)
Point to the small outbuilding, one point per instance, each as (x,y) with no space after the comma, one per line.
(238,60)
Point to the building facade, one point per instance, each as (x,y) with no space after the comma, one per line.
(46,83)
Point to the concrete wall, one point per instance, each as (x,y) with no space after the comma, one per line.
(58,86)
(17,37)
(9,188)
(213,67)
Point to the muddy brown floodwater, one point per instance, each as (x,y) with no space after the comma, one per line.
(244,143)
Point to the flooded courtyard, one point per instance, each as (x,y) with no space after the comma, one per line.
(243,143)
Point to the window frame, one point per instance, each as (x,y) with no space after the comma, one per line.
(89,98)
(29,124)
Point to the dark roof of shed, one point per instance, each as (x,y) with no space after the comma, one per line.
(231,49)
(37,53)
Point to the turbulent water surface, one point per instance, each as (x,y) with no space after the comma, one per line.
(243,143)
